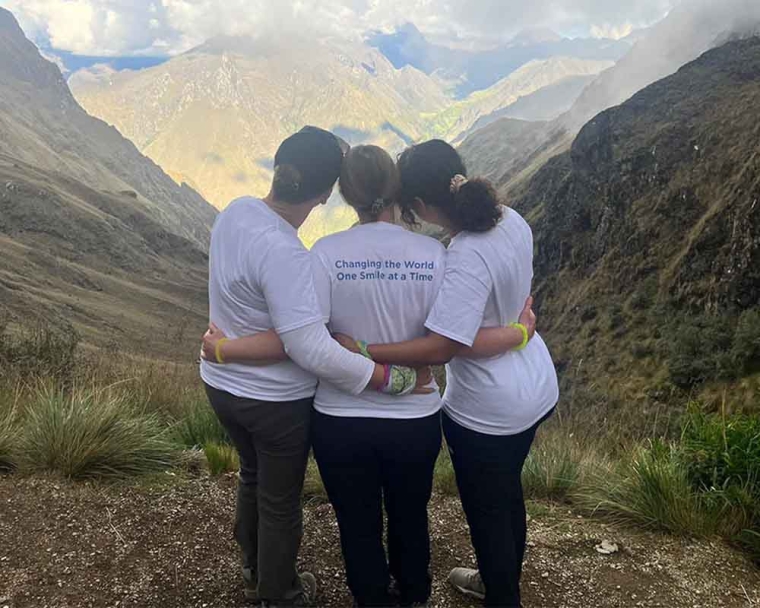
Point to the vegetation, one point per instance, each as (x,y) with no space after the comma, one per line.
(88,433)
(112,416)
(221,458)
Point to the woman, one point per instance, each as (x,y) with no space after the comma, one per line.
(492,407)
(379,280)
(260,279)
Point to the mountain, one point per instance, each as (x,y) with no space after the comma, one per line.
(214,116)
(688,31)
(94,234)
(533,78)
(470,71)
(647,236)
(510,151)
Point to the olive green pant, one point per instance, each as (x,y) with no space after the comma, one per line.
(272,439)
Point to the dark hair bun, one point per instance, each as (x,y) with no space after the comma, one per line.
(307,165)
(287,182)
(431,172)
(476,206)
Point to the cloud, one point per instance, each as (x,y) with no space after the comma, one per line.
(614,32)
(141,27)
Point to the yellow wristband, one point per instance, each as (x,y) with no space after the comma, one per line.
(218,350)
(524,331)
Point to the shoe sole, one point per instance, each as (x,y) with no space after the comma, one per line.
(469,592)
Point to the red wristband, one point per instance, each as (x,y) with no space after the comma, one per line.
(386,379)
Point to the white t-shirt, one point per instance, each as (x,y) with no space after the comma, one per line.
(260,278)
(377,282)
(488,278)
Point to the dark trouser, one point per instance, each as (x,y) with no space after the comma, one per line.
(364,461)
(272,440)
(488,470)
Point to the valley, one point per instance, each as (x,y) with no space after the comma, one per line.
(635,160)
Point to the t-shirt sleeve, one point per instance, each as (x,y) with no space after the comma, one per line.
(285,275)
(322,284)
(458,310)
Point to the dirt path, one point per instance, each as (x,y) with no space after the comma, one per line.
(168,545)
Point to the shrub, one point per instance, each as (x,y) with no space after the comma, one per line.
(41,351)
(198,426)
(645,295)
(92,434)
(616,317)
(745,351)
(699,351)
(221,458)
(557,464)
(652,489)
(722,451)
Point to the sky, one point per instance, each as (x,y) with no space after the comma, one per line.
(156,28)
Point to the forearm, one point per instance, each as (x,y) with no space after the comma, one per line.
(433,349)
(491,342)
(262,348)
(313,349)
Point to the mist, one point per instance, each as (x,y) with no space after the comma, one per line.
(692,28)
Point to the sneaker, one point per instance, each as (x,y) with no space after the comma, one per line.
(251,585)
(306,596)
(468,581)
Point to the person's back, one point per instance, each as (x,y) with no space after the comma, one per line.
(247,239)
(508,393)
(379,281)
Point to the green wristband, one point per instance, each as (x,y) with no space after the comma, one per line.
(524,331)
(364,349)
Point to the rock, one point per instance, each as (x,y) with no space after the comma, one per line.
(607,548)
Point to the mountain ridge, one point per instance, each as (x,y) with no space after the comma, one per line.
(96,238)
(647,235)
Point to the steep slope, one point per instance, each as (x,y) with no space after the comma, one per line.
(93,234)
(41,124)
(688,31)
(509,151)
(458,120)
(470,71)
(546,103)
(647,235)
(215,116)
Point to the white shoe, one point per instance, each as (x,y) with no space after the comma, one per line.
(468,582)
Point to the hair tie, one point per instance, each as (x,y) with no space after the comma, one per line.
(457,182)
(378,206)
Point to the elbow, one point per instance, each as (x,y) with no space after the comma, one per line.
(445,353)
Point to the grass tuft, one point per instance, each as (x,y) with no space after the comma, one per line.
(554,467)
(198,426)
(313,488)
(221,458)
(444,479)
(92,434)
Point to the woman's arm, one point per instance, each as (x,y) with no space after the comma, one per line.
(494,341)
(435,349)
(310,350)
(264,348)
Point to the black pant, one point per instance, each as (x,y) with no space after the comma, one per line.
(488,470)
(364,461)
(272,440)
